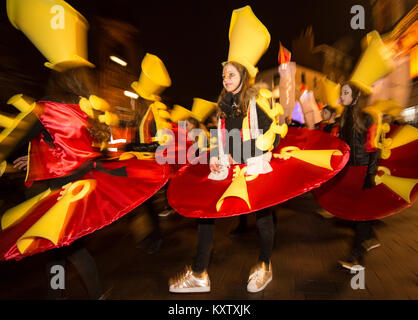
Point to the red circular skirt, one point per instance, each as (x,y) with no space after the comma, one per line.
(344,197)
(110,199)
(192,194)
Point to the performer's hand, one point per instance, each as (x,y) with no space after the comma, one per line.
(214,165)
(21,163)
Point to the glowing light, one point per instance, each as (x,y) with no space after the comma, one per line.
(118,61)
(130,94)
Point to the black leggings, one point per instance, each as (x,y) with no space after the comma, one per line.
(266,232)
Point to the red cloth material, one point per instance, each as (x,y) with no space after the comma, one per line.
(192,194)
(344,197)
(67,125)
(112,198)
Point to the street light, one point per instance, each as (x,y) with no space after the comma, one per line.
(130,94)
(118,61)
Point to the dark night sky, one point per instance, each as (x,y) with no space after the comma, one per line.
(191,37)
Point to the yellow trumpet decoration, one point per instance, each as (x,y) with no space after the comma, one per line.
(17,213)
(25,105)
(405,135)
(265,141)
(319,158)
(401,186)
(237,188)
(138,155)
(51,224)
(109,118)
(86,107)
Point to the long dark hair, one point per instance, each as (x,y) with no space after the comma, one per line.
(354,110)
(68,86)
(242,101)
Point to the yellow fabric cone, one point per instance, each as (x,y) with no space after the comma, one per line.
(237,188)
(86,107)
(180,113)
(319,158)
(6,122)
(23,103)
(390,107)
(51,224)
(99,104)
(375,63)
(55,28)
(17,213)
(153,80)
(405,135)
(202,109)
(109,118)
(138,155)
(332,92)
(401,186)
(248,39)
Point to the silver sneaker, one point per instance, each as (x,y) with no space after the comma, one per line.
(260,276)
(189,281)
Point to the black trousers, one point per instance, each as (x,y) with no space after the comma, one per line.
(266,230)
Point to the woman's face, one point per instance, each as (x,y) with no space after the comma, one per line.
(346,95)
(231,78)
(326,115)
(189,126)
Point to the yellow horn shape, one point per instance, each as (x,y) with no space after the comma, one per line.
(99,104)
(51,224)
(17,213)
(86,107)
(25,104)
(109,118)
(138,155)
(319,158)
(6,122)
(401,186)
(405,135)
(237,188)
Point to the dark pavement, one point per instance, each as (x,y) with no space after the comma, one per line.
(307,248)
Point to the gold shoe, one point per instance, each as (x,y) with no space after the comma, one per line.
(260,276)
(189,281)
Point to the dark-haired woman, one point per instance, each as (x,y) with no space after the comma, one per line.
(234,106)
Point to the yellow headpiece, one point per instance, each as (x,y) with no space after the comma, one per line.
(55,28)
(248,39)
(332,94)
(201,110)
(153,80)
(375,63)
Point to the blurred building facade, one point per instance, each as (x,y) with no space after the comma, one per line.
(119,39)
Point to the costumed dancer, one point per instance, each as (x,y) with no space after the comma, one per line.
(245,174)
(151,119)
(85,191)
(382,172)
(195,127)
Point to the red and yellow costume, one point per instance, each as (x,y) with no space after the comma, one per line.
(106,191)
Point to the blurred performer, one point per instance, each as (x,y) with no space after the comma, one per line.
(151,118)
(329,123)
(76,190)
(243,163)
(381,177)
